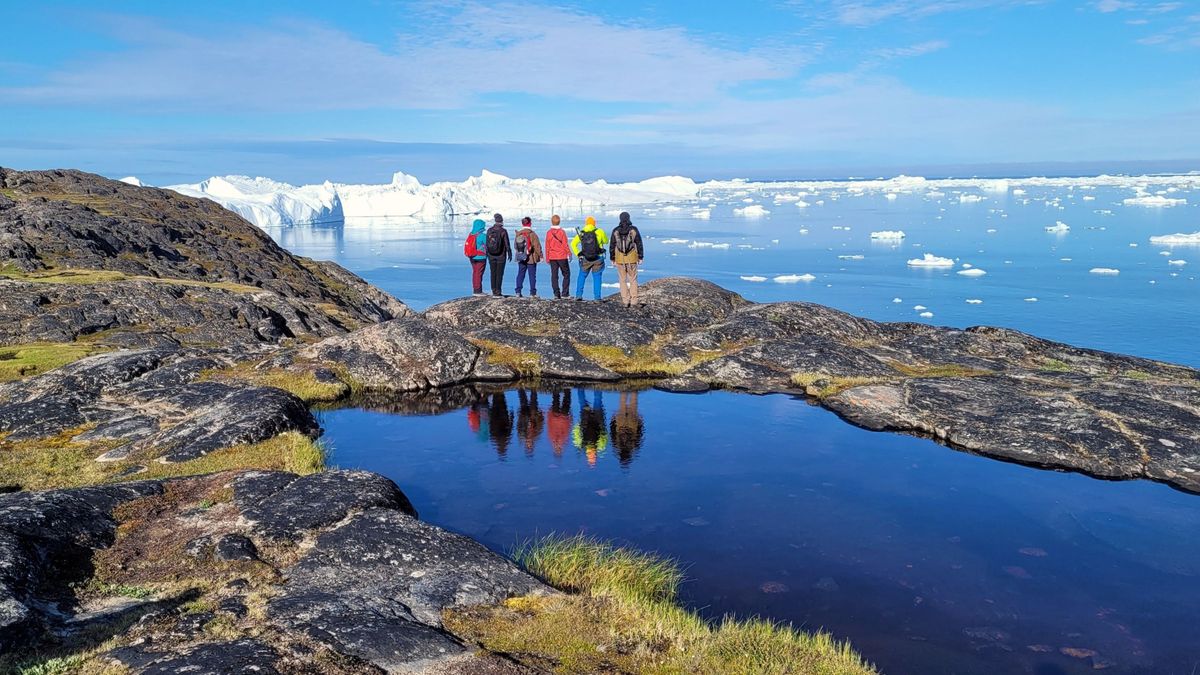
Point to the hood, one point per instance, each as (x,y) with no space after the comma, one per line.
(625,218)
(477,226)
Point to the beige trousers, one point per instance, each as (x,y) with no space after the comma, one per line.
(627,281)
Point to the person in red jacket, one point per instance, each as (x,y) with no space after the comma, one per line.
(559,421)
(558,254)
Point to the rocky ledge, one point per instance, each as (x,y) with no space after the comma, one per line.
(327,573)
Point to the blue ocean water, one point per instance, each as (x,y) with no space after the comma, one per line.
(1150,309)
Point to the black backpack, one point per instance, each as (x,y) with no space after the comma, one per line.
(522,248)
(589,245)
(627,240)
(495,241)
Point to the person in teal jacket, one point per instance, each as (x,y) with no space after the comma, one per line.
(589,247)
(475,248)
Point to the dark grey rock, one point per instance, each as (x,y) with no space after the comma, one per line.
(231,547)
(283,506)
(215,658)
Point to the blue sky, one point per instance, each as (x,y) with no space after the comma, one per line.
(308,91)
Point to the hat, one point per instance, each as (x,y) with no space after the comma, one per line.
(625,217)
(498,218)
(554,219)
(590,221)
(526,220)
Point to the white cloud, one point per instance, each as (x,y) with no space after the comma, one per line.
(483,49)
(869,12)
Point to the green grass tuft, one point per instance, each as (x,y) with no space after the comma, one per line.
(584,564)
(1056,366)
(18,361)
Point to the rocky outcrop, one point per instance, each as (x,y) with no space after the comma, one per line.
(991,391)
(81,255)
(331,570)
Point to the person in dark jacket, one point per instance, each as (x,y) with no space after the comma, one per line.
(473,248)
(499,251)
(625,251)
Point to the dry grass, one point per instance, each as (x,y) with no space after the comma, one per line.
(623,619)
(301,383)
(18,361)
(822,385)
(59,462)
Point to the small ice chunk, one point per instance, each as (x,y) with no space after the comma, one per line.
(752,211)
(919,308)
(974,301)
(1104,270)
(850,257)
(702,214)
(674,240)
(926,315)
(721,246)
(891,196)
(793,278)
(969,199)
(803,204)
(888,234)
(1059,227)
(1180,263)
(973,272)
(931,260)
(1031,299)
(897,300)
(754,278)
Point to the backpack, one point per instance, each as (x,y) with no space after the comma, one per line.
(627,241)
(470,247)
(495,241)
(522,247)
(589,245)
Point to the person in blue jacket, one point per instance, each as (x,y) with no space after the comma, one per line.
(473,248)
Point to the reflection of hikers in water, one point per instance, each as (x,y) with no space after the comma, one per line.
(476,420)
(530,419)
(627,428)
(591,434)
(500,420)
(559,421)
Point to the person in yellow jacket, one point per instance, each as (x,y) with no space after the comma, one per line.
(589,247)
(591,433)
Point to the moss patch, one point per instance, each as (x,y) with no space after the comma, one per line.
(626,621)
(59,462)
(90,276)
(301,383)
(938,370)
(18,361)
(1055,365)
(822,385)
(524,364)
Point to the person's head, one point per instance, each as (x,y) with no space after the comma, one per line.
(625,218)
(526,222)
(555,220)
(589,222)
(478,225)
(499,219)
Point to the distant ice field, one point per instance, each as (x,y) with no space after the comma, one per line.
(1007,242)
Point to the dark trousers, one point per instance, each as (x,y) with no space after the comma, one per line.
(531,269)
(497,265)
(563,267)
(477,275)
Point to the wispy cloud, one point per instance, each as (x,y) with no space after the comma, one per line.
(863,13)
(512,49)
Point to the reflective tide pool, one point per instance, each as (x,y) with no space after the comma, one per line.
(927,559)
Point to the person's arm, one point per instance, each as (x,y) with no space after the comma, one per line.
(637,237)
(507,246)
(612,250)
(575,245)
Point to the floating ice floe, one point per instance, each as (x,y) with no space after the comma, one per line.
(974,301)
(850,257)
(1059,227)
(793,278)
(1177,239)
(721,246)
(972,272)
(1104,270)
(667,209)
(969,199)
(803,204)
(919,308)
(701,244)
(1154,200)
(897,300)
(930,260)
(674,240)
(1031,299)
(926,315)
(752,211)
(891,196)
(754,278)
(1018,191)
(890,235)
(703,214)
(747,200)
(1179,263)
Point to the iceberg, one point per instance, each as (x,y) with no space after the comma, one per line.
(850,257)
(969,199)
(888,234)
(674,240)
(1154,201)
(269,203)
(1059,227)
(793,278)
(1104,270)
(752,211)
(930,260)
(754,278)
(974,301)
(133,180)
(1031,299)
(1177,239)
(972,272)
(926,315)
(1178,263)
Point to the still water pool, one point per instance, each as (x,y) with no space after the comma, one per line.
(927,559)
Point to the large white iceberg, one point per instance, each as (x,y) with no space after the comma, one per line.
(793,278)
(1154,200)
(269,203)
(888,234)
(1177,239)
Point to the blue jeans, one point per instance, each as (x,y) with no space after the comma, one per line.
(531,268)
(596,269)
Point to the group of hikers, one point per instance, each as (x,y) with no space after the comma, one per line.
(492,420)
(492,248)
